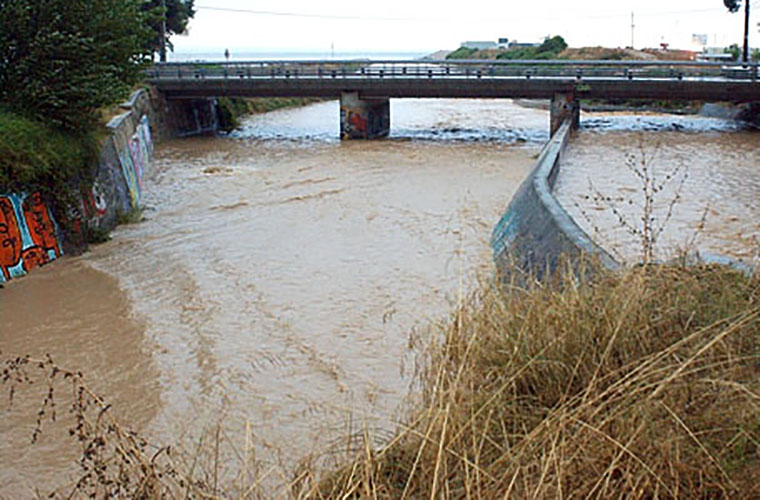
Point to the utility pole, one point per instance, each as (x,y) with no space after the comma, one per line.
(162,41)
(633,28)
(746,30)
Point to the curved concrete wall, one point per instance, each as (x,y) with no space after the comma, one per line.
(535,232)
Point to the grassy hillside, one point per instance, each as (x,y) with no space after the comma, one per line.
(35,157)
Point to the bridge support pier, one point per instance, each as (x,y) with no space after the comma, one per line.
(564,106)
(364,118)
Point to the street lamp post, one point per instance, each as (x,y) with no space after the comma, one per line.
(746,30)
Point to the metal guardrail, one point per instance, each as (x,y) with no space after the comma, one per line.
(455,69)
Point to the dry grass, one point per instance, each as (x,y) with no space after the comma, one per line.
(640,385)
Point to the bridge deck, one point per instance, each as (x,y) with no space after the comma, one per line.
(473,79)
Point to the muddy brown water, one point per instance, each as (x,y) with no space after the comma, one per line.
(281,279)
(708,181)
(275,282)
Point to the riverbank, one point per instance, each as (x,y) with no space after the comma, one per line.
(61,191)
(637,383)
(640,383)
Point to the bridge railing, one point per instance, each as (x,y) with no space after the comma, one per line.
(454,69)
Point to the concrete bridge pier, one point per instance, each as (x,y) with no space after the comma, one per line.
(564,106)
(364,118)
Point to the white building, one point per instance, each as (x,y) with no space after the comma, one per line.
(480,45)
(714,54)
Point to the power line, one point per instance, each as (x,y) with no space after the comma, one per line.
(306,15)
(433,19)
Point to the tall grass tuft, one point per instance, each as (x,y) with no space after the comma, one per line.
(644,384)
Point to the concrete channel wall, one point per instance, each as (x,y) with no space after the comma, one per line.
(124,160)
(536,232)
(29,234)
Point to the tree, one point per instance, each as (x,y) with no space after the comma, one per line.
(176,15)
(732,5)
(61,60)
(734,50)
(554,45)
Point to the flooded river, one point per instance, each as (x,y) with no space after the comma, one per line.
(281,279)
(706,173)
(276,280)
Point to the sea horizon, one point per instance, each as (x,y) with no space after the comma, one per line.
(187,55)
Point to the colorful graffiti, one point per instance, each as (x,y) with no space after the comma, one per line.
(366,120)
(27,235)
(94,203)
(135,157)
(358,122)
(354,125)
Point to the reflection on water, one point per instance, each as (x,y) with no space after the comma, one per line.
(278,276)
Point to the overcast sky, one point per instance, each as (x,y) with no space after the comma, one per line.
(427,26)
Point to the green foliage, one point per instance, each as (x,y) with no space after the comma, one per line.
(97,235)
(178,15)
(755,56)
(228,110)
(60,60)
(519,53)
(134,216)
(35,157)
(550,49)
(555,44)
(733,5)
(461,53)
(734,50)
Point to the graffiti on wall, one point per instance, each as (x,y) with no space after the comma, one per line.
(94,207)
(365,122)
(134,158)
(27,235)
(354,124)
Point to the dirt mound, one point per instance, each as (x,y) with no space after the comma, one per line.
(605,54)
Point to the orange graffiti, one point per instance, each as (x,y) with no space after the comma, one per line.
(10,237)
(358,122)
(34,257)
(41,227)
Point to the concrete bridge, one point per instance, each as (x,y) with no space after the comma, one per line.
(365,87)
